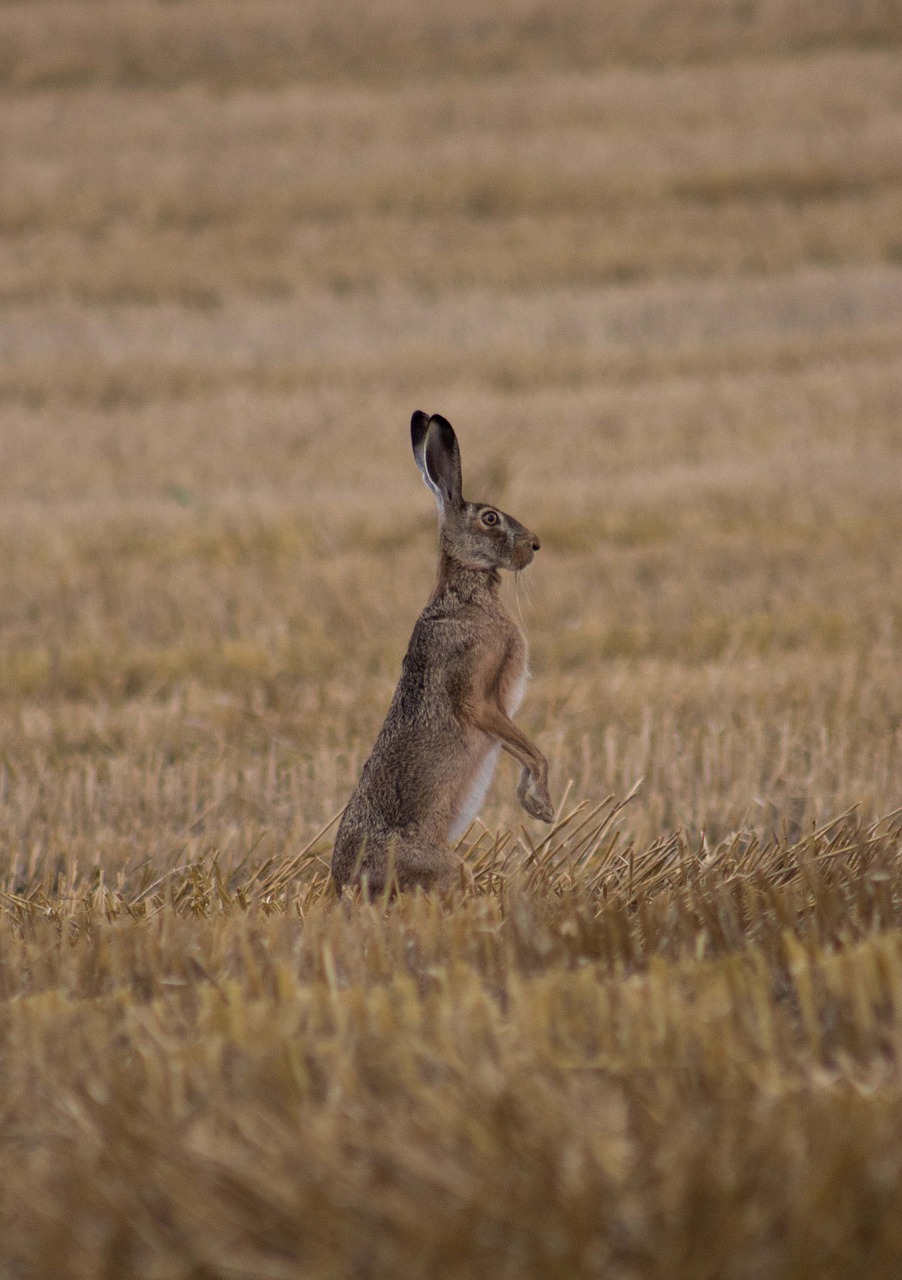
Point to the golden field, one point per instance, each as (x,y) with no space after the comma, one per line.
(648,261)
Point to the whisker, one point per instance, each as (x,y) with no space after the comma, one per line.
(525,586)
(517,573)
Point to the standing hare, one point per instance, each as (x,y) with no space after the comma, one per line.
(463,678)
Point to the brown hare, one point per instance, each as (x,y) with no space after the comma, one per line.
(463,678)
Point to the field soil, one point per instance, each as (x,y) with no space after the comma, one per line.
(647,258)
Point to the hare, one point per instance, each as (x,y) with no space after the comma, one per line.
(463,678)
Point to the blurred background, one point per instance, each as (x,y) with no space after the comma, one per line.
(647,257)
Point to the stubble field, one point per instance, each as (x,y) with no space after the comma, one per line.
(651,269)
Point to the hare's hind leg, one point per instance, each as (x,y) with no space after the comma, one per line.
(405,864)
(459,875)
(432,866)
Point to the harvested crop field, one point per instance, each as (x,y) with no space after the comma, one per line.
(649,263)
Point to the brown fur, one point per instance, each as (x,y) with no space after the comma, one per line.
(462,678)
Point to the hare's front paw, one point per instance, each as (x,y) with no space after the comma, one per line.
(534,797)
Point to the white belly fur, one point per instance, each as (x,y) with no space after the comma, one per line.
(482,778)
(480,784)
(517,692)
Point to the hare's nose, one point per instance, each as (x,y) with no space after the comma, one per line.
(536,545)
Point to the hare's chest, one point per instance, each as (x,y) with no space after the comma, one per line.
(515,676)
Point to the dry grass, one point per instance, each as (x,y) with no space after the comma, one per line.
(232,43)
(651,268)
(611,1062)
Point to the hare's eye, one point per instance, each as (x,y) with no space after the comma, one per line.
(490,517)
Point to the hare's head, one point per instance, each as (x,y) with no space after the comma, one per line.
(475,534)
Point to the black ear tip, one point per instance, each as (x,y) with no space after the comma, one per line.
(445,430)
(419,425)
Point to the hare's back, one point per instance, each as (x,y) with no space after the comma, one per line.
(437,671)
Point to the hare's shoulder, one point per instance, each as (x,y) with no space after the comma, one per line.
(451,655)
(447,634)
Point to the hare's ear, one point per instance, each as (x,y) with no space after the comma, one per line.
(419,429)
(419,425)
(442,462)
(437,455)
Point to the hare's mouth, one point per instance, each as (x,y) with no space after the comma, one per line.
(522,556)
